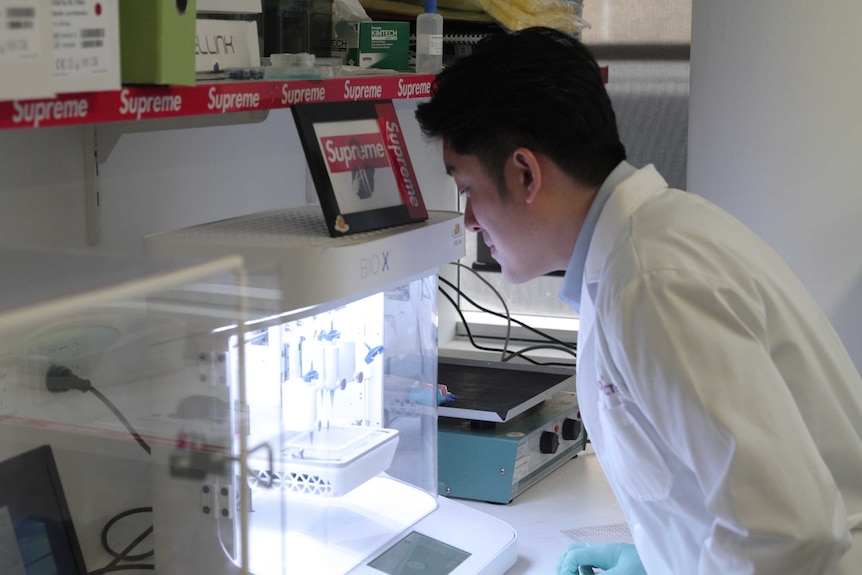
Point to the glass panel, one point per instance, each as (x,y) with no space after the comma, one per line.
(97,367)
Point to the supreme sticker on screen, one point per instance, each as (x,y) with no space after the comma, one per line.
(399,159)
(360,165)
(359,168)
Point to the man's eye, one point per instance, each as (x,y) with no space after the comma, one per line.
(465,191)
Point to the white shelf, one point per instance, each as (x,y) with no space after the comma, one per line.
(134,103)
(293,245)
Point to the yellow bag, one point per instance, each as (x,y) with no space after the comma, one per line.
(561,15)
(536,6)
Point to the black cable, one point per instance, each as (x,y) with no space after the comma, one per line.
(511,355)
(504,316)
(566,348)
(122,419)
(508,317)
(61,379)
(123,555)
(521,353)
(142,567)
(466,325)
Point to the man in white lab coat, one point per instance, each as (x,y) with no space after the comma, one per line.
(722,405)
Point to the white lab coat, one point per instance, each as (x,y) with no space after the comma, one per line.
(724,409)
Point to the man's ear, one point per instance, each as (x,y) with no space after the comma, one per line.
(528,173)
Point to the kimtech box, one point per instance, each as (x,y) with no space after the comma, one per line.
(379,45)
(157,41)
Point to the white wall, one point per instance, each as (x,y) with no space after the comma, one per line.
(161,180)
(41,187)
(775,136)
(151,181)
(156,181)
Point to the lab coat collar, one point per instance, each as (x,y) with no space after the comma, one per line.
(628,196)
(570,292)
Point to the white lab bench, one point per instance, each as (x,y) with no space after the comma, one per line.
(577,495)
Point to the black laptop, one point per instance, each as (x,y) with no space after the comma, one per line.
(36,532)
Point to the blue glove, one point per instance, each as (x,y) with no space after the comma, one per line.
(611,558)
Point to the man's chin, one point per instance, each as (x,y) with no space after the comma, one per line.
(515,276)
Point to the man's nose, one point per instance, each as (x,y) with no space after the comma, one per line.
(469,219)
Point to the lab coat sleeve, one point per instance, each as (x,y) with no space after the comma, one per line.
(694,355)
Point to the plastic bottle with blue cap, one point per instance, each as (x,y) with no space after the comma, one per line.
(429,40)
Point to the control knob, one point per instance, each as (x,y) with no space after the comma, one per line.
(549,442)
(571,428)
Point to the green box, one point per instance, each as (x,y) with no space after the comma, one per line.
(157,41)
(379,45)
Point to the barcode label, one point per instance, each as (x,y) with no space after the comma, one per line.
(20,17)
(92,37)
(93,33)
(20,12)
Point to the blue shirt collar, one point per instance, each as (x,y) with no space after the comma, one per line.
(570,292)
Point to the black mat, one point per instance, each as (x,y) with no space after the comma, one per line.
(494,388)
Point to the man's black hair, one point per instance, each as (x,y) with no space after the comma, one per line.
(536,88)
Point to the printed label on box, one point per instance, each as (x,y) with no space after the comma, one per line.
(20,33)
(224,44)
(86,49)
(26,55)
(379,45)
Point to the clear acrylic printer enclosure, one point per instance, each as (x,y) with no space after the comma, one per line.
(336,434)
(248,401)
(345,399)
(324,453)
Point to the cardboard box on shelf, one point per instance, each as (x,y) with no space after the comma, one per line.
(225,44)
(157,41)
(86,45)
(227,34)
(26,50)
(378,45)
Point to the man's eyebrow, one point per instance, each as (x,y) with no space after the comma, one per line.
(449,170)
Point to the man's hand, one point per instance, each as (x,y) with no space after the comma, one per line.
(611,558)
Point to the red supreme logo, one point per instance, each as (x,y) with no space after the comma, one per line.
(344,153)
